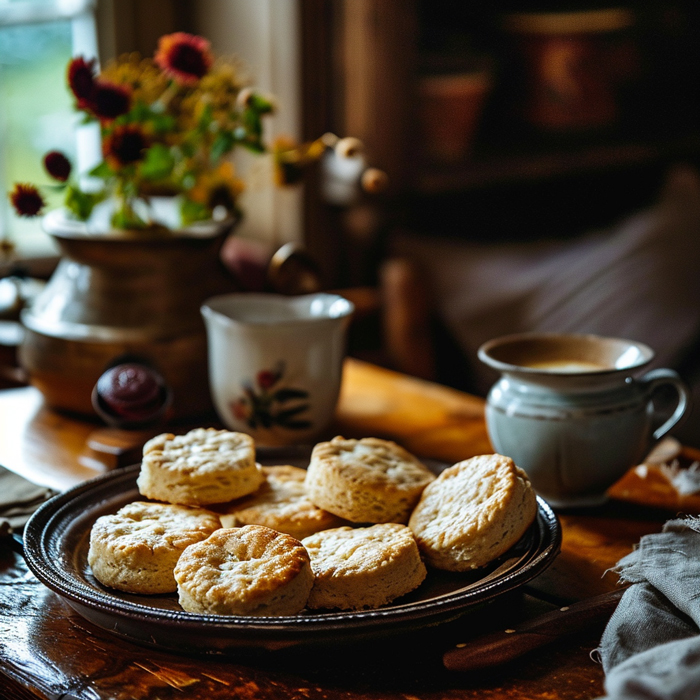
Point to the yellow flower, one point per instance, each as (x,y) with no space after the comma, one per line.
(291,159)
(217,91)
(219,187)
(141,75)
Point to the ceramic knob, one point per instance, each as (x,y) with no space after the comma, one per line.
(131,394)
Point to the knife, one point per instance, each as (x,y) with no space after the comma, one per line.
(501,647)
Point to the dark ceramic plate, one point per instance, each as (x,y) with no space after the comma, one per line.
(56,545)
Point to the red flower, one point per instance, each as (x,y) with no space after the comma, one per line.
(125,145)
(109,101)
(184,57)
(27,200)
(266,379)
(105,100)
(57,165)
(81,79)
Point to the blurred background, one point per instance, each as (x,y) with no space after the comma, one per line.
(541,158)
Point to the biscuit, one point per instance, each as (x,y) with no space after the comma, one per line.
(364,567)
(366,481)
(282,504)
(251,570)
(202,467)
(473,513)
(136,549)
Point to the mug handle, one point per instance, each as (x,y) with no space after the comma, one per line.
(659,377)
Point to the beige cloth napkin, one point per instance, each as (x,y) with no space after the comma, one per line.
(19,498)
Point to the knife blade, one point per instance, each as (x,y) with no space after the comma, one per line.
(500,647)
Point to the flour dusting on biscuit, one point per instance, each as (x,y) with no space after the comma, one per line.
(366,481)
(251,570)
(364,567)
(282,504)
(202,467)
(474,512)
(135,549)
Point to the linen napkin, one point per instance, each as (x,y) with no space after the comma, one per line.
(651,645)
(19,498)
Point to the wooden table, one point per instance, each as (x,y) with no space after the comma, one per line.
(48,651)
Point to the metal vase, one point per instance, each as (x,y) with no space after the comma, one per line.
(124,294)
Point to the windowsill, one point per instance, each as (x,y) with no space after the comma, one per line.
(37,267)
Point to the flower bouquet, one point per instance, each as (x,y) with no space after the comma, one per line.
(168,125)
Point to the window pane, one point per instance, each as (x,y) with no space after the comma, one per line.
(25,11)
(36,116)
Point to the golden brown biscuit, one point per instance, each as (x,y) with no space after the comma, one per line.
(251,570)
(136,549)
(364,567)
(204,466)
(282,504)
(473,512)
(366,481)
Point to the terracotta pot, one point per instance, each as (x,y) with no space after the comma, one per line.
(124,294)
(450,108)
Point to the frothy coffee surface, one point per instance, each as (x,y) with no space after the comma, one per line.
(567,366)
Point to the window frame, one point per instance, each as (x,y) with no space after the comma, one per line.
(82,15)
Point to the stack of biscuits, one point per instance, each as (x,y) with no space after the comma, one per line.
(358,529)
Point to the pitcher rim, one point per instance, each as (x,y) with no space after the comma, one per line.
(646,354)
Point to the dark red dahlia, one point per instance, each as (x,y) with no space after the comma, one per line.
(184,57)
(125,145)
(27,200)
(109,101)
(57,165)
(81,79)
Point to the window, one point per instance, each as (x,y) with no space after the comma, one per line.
(37,39)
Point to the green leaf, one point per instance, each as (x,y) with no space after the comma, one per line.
(140,112)
(193,211)
(265,420)
(162,123)
(287,394)
(126,218)
(188,149)
(252,123)
(259,104)
(103,171)
(223,143)
(158,163)
(291,412)
(206,118)
(81,203)
(254,146)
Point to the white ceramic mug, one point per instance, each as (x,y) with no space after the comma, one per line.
(570,410)
(275,362)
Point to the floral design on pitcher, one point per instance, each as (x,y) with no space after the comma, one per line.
(266,403)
